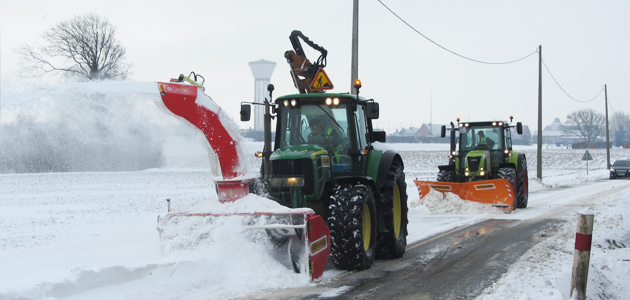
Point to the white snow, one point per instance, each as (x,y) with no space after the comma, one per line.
(92,234)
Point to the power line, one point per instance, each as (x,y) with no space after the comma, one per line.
(565,92)
(453,52)
(492,63)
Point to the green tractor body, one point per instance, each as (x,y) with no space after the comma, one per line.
(360,191)
(483,151)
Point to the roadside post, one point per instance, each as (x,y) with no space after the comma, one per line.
(587,156)
(581,255)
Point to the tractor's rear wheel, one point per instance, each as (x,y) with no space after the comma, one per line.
(352,223)
(522,189)
(393,210)
(447,176)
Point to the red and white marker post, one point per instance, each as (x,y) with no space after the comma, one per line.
(581,256)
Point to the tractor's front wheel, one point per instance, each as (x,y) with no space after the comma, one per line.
(393,210)
(447,176)
(352,223)
(510,175)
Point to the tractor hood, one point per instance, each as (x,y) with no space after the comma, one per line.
(298,152)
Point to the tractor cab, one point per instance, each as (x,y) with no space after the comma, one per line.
(493,138)
(335,125)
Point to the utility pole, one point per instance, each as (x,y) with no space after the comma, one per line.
(540,129)
(607,135)
(354,69)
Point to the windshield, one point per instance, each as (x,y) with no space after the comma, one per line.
(622,163)
(313,124)
(480,138)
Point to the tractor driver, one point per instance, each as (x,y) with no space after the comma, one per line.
(326,138)
(484,140)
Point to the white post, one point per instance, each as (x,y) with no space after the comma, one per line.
(581,256)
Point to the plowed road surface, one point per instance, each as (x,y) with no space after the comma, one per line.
(459,263)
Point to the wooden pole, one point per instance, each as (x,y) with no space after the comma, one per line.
(354,69)
(607,133)
(540,128)
(581,256)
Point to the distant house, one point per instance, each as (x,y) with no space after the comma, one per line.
(430,133)
(405,135)
(553,134)
(522,139)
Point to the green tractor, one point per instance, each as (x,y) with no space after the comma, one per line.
(324,158)
(485,153)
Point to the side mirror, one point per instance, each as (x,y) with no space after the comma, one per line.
(519,127)
(371,110)
(246,112)
(443,131)
(379,136)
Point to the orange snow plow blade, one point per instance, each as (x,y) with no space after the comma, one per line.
(497,192)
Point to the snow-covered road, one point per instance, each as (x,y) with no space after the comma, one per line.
(93,235)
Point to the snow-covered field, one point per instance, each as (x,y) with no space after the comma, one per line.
(92,234)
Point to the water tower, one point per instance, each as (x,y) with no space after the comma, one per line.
(262,70)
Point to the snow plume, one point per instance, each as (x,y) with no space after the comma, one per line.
(93,126)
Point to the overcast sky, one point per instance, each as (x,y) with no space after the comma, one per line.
(585,44)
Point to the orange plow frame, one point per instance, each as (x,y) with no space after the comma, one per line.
(497,192)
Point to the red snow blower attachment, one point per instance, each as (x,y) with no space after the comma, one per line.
(300,233)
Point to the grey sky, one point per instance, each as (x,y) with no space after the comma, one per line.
(585,45)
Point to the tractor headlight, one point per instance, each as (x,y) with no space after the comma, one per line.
(286,102)
(287,182)
(482,173)
(293,102)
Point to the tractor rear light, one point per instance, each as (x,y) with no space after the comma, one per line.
(258,154)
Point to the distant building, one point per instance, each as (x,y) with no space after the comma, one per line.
(554,134)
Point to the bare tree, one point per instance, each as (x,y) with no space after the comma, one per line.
(84,46)
(620,126)
(585,123)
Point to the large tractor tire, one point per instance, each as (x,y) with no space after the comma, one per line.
(393,211)
(352,223)
(447,176)
(522,182)
(510,175)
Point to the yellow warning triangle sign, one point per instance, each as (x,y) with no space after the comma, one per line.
(321,81)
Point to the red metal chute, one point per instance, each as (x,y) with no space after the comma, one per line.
(180,99)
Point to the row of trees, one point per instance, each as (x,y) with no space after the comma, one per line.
(589,125)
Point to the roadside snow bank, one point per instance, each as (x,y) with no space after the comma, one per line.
(544,272)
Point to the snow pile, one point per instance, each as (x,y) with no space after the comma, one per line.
(448,203)
(544,272)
